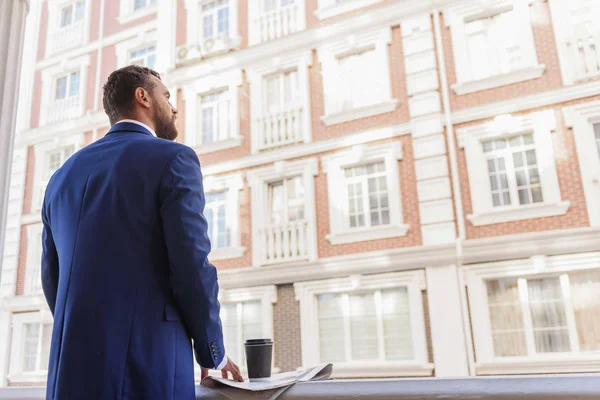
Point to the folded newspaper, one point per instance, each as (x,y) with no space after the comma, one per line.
(266,389)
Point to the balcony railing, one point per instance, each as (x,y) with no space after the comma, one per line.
(69,36)
(277,23)
(63,109)
(583,53)
(280,128)
(284,242)
(555,387)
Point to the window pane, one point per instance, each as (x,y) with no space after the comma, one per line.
(139,4)
(223,21)
(229,319)
(31,340)
(548,315)
(74,84)
(208,131)
(506,318)
(276,202)
(331,328)
(397,331)
(585,297)
(61,88)
(79,7)
(252,320)
(208,26)
(363,327)
(66,16)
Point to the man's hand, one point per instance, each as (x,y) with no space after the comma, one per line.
(229,367)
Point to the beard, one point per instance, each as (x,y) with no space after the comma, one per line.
(165,129)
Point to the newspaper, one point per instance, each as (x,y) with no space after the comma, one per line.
(268,389)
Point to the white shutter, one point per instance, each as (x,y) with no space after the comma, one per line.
(397,330)
(363,327)
(331,328)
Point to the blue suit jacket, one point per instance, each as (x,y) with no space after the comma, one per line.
(125,271)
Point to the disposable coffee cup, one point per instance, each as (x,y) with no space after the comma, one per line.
(259,354)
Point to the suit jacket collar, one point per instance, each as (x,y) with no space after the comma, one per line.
(128,127)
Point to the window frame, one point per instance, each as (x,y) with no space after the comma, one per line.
(259,180)
(215,44)
(541,124)
(19,320)
(414,281)
(256,74)
(537,266)
(329,54)
(334,165)
(55,8)
(231,185)
(128,13)
(229,81)
(142,41)
(456,17)
(581,118)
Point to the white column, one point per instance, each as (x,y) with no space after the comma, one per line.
(429,143)
(12,32)
(165,36)
(448,337)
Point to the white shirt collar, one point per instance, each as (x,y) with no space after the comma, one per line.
(133,121)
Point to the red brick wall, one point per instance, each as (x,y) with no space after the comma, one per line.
(29,172)
(36,99)
(569,179)
(547,54)
(22,262)
(43,32)
(181,32)
(96,17)
(243,22)
(91,81)
(109,64)
(111,23)
(286,326)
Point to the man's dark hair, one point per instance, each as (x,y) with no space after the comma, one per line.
(120,87)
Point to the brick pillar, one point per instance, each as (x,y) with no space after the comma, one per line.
(429,143)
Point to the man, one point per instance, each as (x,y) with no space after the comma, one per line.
(124,268)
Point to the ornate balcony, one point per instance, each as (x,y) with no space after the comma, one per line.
(63,109)
(284,243)
(67,37)
(583,55)
(278,23)
(280,128)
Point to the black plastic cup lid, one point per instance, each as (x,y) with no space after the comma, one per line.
(252,342)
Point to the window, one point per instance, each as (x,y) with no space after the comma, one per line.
(356,77)
(493,44)
(214,116)
(364,193)
(241,321)
(540,313)
(511,168)
(365,326)
(145,57)
(72,13)
(222,213)
(33,281)
(30,350)
(368,325)
(279,89)
(274,19)
(67,86)
(215,209)
(283,213)
(53,160)
(367,190)
(215,19)
(139,4)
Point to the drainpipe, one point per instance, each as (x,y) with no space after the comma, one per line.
(460,218)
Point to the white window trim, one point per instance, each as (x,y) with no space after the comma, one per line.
(127,13)
(141,41)
(475,276)
(209,46)
(49,76)
(40,151)
(259,180)
(327,11)
(33,231)
(230,81)
(18,322)
(414,281)
(334,165)
(54,15)
(379,39)
(254,12)
(541,124)
(558,11)
(455,18)
(232,184)
(582,118)
(256,75)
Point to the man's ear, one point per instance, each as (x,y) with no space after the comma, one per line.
(142,97)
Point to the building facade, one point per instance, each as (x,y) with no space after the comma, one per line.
(402,188)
